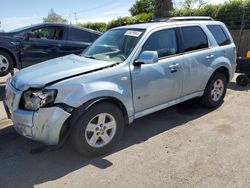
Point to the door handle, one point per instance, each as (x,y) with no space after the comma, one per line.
(173,67)
(209,57)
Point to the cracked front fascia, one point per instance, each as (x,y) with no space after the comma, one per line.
(48,123)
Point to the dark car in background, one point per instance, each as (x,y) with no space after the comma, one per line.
(27,46)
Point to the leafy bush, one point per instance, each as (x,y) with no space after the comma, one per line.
(231,13)
(144,17)
(98,26)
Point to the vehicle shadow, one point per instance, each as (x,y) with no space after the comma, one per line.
(2,92)
(235,87)
(19,166)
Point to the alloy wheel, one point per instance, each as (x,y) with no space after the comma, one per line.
(217,91)
(100,130)
(4,63)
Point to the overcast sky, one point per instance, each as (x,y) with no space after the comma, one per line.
(18,13)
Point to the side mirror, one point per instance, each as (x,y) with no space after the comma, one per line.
(29,35)
(147,57)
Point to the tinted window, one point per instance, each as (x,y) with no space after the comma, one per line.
(219,35)
(52,33)
(94,36)
(194,38)
(79,35)
(164,42)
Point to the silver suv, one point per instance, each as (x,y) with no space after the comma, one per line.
(127,73)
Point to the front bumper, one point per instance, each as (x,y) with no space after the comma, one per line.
(43,125)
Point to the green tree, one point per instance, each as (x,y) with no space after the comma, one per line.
(54,17)
(162,8)
(190,4)
(142,6)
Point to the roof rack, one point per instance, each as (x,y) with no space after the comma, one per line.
(184,18)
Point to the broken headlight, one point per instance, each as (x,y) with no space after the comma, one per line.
(35,99)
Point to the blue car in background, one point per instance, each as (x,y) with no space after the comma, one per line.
(27,46)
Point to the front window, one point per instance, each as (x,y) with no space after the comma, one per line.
(52,33)
(115,45)
(164,42)
(21,29)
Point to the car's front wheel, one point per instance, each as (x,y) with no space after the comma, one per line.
(98,129)
(215,90)
(6,63)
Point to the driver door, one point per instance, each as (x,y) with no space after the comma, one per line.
(155,84)
(43,45)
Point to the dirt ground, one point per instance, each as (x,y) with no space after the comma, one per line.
(182,146)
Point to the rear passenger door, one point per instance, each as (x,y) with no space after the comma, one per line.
(225,46)
(76,41)
(197,58)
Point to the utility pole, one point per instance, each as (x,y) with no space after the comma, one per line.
(70,19)
(75,17)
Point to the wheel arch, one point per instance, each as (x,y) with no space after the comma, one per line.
(113,101)
(69,123)
(13,56)
(224,70)
(220,69)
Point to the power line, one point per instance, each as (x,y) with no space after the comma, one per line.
(75,17)
(93,8)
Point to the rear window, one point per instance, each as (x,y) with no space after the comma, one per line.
(79,35)
(194,38)
(219,35)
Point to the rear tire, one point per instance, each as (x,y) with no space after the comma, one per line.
(242,80)
(6,63)
(215,91)
(97,130)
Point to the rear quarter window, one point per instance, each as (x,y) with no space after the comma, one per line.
(219,34)
(193,38)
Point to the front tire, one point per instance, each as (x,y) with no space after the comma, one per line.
(215,91)
(97,130)
(6,63)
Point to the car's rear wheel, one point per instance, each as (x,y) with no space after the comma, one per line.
(215,90)
(98,129)
(6,63)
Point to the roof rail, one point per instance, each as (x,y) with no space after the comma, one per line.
(184,18)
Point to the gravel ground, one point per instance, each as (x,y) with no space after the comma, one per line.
(182,146)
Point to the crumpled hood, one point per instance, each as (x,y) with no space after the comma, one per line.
(37,76)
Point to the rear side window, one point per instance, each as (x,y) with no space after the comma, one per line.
(194,38)
(219,35)
(94,36)
(79,35)
(164,42)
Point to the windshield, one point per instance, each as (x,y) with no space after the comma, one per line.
(22,28)
(114,45)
